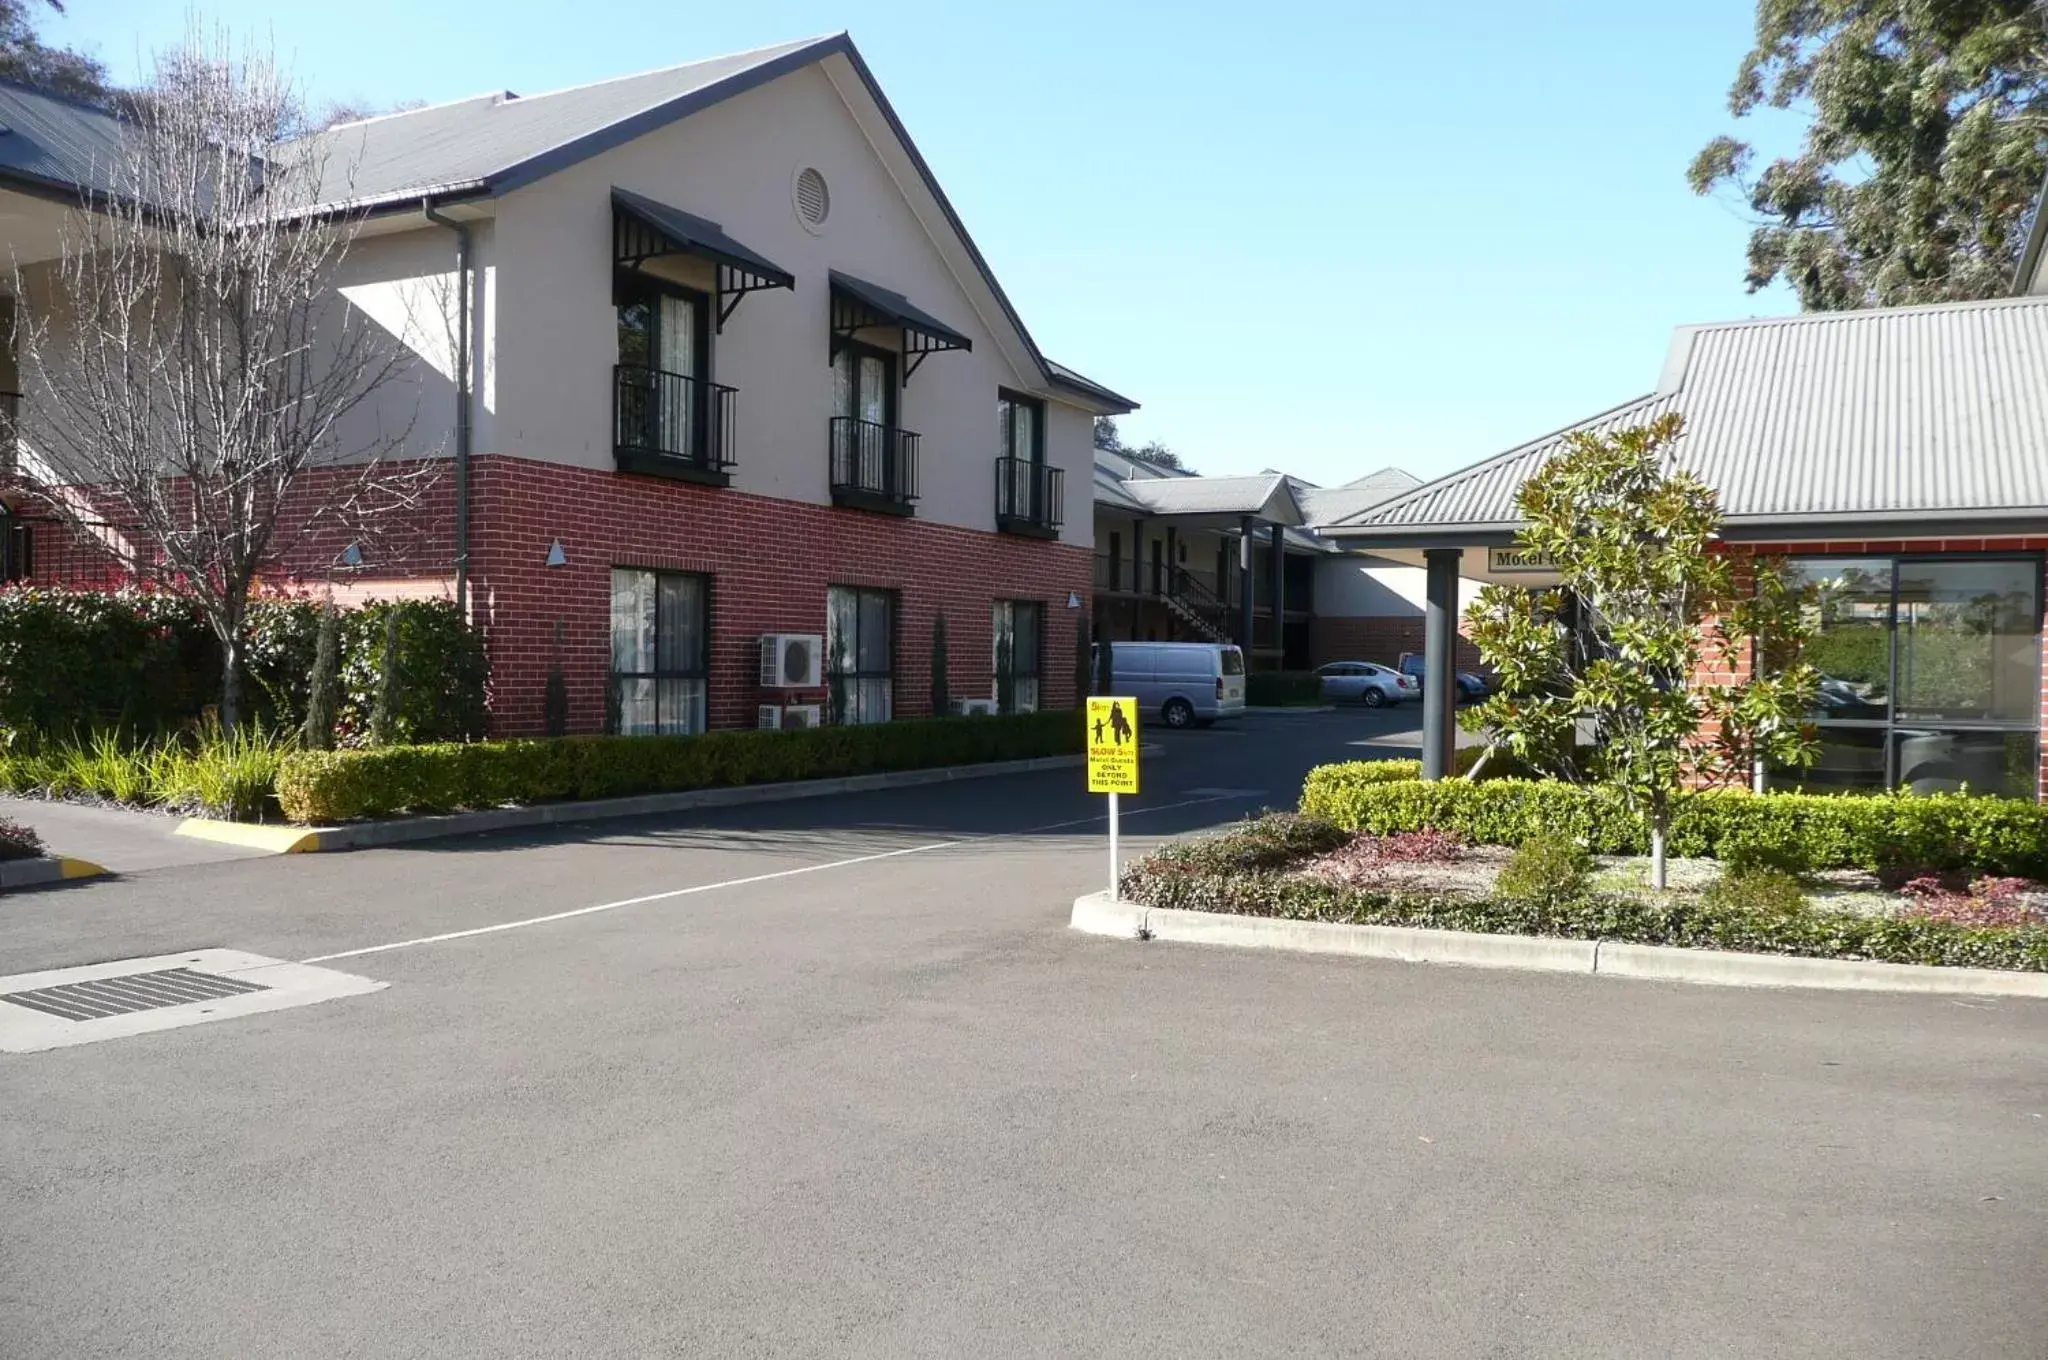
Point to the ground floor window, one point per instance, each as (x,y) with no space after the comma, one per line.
(860,653)
(661,652)
(16,560)
(1930,673)
(1019,630)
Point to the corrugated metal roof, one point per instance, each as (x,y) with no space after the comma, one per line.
(1266,496)
(1878,415)
(57,142)
(478,139)
(1323,504)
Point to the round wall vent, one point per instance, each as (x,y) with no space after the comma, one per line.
(813,198)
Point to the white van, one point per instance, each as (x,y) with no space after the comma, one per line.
(1182,683)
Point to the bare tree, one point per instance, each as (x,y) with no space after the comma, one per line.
(201,395)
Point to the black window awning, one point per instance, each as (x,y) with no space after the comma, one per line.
(858,305)
(644,230)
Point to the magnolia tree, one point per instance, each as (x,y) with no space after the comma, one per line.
(1617,652)
(200,394)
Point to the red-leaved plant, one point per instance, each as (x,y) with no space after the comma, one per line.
(1363,857)
(18,841)
(1987,902)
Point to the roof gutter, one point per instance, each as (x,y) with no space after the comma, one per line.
(464,249)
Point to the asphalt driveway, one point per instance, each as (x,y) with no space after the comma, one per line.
(831,1078)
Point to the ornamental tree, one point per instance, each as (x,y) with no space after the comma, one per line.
(1602,677)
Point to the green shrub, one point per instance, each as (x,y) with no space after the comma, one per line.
(1772,892)
(1873,832)
(1173,878)
(1546,872)
(142,665)
(1751,850)
(335,786)
(1278,688)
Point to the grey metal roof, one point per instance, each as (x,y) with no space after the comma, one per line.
(1322,504)
(57,145)
(497,141)
(1063,376)
(1267,497)
(1879,418)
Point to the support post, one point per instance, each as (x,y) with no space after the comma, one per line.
(1138,559)
(1112,848)
(1440,663)
(1276,591)
(1245,534)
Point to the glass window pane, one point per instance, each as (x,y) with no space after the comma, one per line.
(1024,695)
(633,621)
(1969,640)
(874,389)
(875,634)
(682,705)
(679,335)
(842,384)
(681,635)
(1027,431)
(1005,446)
(636,331)
(874,702)
(1999,764)
(638,715)
(1025,634)
(1851,644)
(1851,760)
(842,628)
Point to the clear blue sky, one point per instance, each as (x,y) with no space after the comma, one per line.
(1324,237)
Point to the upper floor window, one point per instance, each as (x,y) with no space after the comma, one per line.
(1020,428)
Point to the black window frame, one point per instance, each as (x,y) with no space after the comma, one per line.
(17,547)
(892,362)
(1894,726)
(1036,453)
(628,287)
(614,707)
(1006,678)
(837,680)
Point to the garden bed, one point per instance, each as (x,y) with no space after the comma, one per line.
(1293,867)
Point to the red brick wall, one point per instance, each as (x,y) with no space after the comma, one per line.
(771,562)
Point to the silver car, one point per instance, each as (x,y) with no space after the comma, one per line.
(1366,682)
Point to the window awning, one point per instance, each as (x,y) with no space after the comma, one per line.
(644,230)
(858,305)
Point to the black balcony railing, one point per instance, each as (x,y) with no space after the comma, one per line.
(1028,497)
(669,424)
(874,467)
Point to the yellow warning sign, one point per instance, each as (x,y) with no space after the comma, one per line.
(1112,745)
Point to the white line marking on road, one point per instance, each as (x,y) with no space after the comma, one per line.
(733,883)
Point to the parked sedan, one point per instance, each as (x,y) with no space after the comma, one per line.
(1470,686)
(1370,684)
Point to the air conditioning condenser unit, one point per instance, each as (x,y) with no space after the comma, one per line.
(792,661)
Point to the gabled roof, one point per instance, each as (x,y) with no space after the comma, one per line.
(1891,419)
(1322,504)
(492,144)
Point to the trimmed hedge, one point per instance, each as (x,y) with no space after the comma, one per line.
(335,786)
(1877,831)
(1283,688)
(1197,876)
(142,665)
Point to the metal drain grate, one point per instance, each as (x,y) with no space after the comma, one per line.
(102,997)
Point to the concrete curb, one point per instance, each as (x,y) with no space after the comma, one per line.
(406,830)
(277,840)
(44,870)
(1096,914)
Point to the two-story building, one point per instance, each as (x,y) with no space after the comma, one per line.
(709,356)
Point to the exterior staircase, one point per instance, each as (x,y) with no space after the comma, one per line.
(1197,606)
